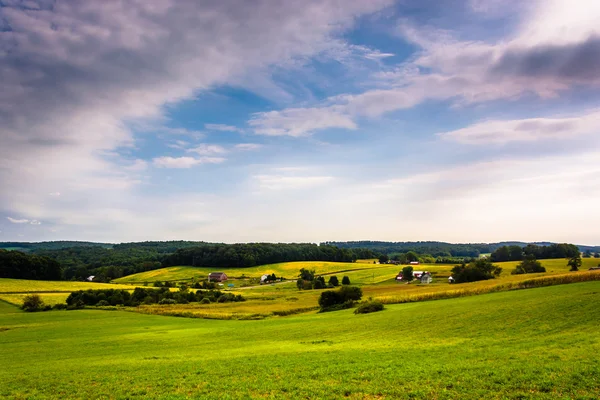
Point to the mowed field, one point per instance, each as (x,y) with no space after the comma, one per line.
(530,344)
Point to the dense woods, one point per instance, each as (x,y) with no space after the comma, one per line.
(17,265)
(518,253)
(252,254)
(106,263)
(435,249)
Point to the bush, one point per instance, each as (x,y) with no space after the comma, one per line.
(167,301)
(369,307)
(32,302)
(319,283)
(344,296)
(346,280)
(205,300)
(333,281)
(59,306)
(103,303)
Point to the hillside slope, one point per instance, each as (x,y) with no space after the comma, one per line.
(534,344)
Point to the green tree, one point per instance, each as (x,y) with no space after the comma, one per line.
(383,259)
(478,270)
(528,265)
(307,274)
(574,263)
(345,280)
(334,281)
(587,254)
(411,256)
(32,302)
(407,274)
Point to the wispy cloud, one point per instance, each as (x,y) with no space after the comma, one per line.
(525,130)
(184,162)
(283,182)
(299,121)
(248,146)
(17,221)
(222,128)
(205,149)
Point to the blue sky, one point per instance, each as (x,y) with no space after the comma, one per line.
(461,121)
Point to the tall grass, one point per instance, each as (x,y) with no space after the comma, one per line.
(473,291)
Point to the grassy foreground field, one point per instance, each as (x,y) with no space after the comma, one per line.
(529,344)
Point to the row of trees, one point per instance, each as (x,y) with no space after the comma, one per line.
(17,265)
(307,280)
(246,255)
(436,249)
(106,263)
(114,297)
(518,253)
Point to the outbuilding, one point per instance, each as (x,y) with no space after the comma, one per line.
(217,277)
(426,277)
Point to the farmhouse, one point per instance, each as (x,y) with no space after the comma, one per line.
(217,277)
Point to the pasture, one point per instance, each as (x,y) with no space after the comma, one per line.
(529,344)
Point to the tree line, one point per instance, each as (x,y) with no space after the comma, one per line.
(18,265)
(518,253)
(107,263)
(252,254)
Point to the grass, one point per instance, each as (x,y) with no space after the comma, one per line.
(532,344)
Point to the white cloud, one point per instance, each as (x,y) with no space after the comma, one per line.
(184,162)
(282,182)
(35,222)
(299,121)
(525,130)
(137,165)
(222,128)
(207,149)
(78,82)
(17,221)
(248,146)
(54,194)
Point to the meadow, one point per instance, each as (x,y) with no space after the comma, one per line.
(530,344)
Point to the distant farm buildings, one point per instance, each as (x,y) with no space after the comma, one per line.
(217,277)
(90,278)
(426,277)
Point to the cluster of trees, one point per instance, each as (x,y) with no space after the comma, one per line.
(114,297)
(588,254)
(528,266)
(344,297)
(246,255)
(478,270)
(307,280)
(518,253)
(18,265)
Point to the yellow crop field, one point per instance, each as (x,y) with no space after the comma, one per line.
(288,270)
(27,286)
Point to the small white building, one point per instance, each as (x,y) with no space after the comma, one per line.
(264,278)
(426,277)
(90,278)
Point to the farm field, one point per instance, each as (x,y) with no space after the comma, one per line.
(288,270)
(530,344)
(52,292)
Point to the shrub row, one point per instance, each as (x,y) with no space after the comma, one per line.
(114,297)
(344,297)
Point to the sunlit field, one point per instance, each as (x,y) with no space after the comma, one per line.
(529,344)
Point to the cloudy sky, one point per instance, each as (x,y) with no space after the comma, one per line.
(460,120)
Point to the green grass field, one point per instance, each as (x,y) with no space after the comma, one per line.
(529,344)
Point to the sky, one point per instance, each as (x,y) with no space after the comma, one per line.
(300,121)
